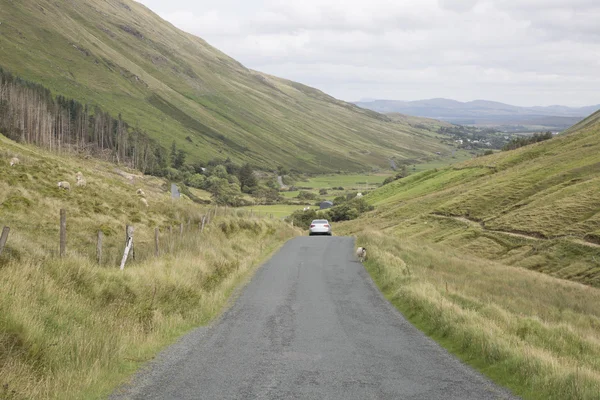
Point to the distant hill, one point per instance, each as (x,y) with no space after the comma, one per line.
(121,57)
(483,112)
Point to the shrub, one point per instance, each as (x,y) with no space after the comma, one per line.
(304,195)
(302,219)
(349,210)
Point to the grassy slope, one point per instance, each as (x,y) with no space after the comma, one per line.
(121,56)
(71,329)
(443,246)
(537,207)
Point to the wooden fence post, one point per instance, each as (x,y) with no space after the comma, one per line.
(63,232)
(203,221)
(156,232)
(99,247)
(128,230)
(4,238)
(128,246)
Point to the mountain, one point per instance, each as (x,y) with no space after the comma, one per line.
(483,112)
(536,207)
(123,58)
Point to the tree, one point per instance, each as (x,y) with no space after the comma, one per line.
(247,179)
(179,159)
(173,154)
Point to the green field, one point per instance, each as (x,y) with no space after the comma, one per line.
(278,210)
(348,182)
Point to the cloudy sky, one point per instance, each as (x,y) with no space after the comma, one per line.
(522,52)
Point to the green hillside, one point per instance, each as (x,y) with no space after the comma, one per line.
(498,260)
(120,56)
(536,207)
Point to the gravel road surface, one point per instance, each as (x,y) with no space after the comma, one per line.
(310,325)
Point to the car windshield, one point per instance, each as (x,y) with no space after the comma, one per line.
(320,221)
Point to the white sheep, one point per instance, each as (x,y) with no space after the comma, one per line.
(359,195)
(140,192)
(80,180)
(64,185)
(144,201)
(14,161)
(361,253)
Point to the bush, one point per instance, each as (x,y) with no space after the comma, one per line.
(322,192)
(304,195)
(349,210)
(302,219)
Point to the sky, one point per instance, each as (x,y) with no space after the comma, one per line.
(521,52)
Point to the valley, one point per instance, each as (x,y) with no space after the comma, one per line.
(114,122)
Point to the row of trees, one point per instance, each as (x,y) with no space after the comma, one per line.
(30,114)
(527,140)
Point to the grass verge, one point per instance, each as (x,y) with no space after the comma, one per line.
(530,332)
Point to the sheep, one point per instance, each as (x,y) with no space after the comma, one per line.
(361,253)
(64,185)
(14,161)
(140,192)
(144,201)
(81,182)
(359,195)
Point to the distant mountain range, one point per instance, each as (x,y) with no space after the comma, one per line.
(483,112)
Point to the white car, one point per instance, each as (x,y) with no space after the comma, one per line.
(320,227)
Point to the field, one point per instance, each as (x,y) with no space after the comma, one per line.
(278,210)
(74,328)
(348,182)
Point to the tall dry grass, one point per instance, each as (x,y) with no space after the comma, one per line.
(70,329)
(536,334)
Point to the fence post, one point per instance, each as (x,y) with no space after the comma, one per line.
(128,246)
(181,229)
(4,238)
(63,232)
(127,236)
(99,247)
(203,221)
(156,232)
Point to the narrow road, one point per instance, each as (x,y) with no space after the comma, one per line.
(310,325)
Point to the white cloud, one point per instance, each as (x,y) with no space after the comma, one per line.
(518,51)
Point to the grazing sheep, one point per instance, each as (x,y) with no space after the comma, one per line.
(14,161)
(140,192)
(144,201)
(81,182)
(361,253)
(64,185)
(359,195)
